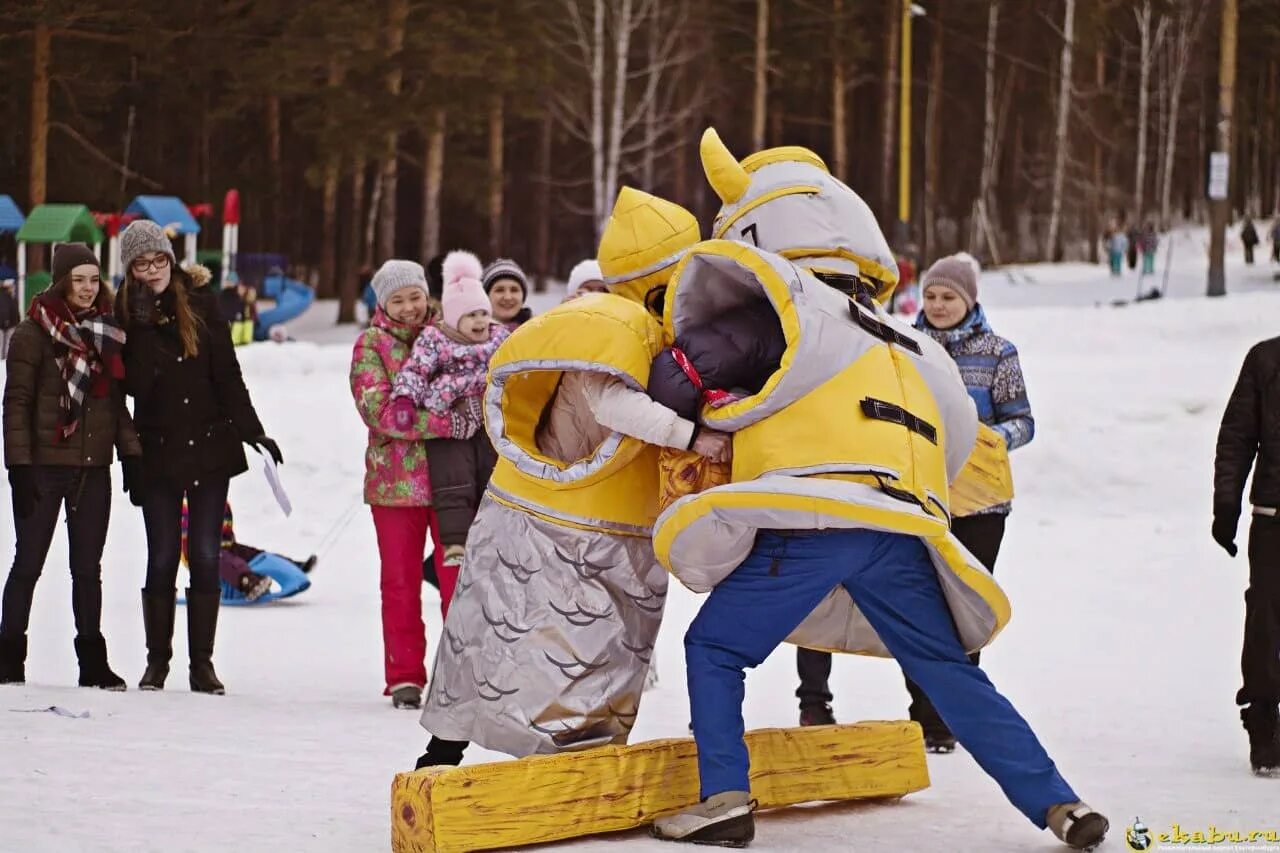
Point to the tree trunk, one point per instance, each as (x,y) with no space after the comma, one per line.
(1099,190)
(981,222)
(622,53)
(1144,79)
(349,280)
(1060,135)
(839,131)
(760,102)
(276,169)
(328,284)
(542,202)
(130,122)
(1273,154)
(1180,57)
(432,184)
(496,125)
(397,15)
(368,259)
(648,170)
(889,108)
(42,50)
(932,142)
(600,204)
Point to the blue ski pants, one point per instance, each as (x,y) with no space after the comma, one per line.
(895,585)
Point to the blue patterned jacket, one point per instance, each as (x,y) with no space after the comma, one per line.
(991,371)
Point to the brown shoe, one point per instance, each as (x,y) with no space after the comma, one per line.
(1077,825)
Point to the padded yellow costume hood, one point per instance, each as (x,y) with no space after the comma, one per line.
(784,200)
(642,242)
(863,426)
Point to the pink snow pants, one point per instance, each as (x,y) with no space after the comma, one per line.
(402,540)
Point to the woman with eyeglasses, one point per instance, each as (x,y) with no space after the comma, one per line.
(192,412)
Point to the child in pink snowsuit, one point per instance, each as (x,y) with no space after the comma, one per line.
(396,484)
(445,375)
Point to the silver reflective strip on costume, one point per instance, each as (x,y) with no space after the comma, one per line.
(508,449)
(612,526)
(633,275)
(549,638)
(1266,511)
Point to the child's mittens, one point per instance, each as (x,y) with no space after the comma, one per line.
(403,412)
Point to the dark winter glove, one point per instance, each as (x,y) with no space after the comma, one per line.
(22,482)
(1224,530)
(141,301)
(262,443)
(132,466)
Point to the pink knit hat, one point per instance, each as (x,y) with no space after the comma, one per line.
(463,292)
(958,272)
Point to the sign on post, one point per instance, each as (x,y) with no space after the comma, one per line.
(1219,174)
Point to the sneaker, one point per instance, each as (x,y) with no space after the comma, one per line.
(306,565)
(939,743)
(722,820)
(817,715)
(1077,825)
(253,585)
(406,696)
(454,554)
(1262,722)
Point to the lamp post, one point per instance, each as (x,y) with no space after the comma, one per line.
(909,11)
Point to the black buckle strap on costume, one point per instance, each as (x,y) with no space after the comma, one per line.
(882,411)
(884,331)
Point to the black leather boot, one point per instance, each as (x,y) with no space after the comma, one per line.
(94,670)
(157,619)
(202,625)
(13,659)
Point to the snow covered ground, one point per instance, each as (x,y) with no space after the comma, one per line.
(1123,650)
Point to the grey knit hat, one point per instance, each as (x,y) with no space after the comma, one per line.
(143,236)
(396,275)
(505,268)
(958,272)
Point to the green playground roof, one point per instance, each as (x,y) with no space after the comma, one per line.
(60,223)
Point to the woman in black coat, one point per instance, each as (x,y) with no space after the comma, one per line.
(192,412)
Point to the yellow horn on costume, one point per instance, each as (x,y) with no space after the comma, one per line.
(725,173)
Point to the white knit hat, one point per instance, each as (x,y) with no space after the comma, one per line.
(396,275)
(583,272)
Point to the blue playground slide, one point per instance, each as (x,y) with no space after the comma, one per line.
(291,296)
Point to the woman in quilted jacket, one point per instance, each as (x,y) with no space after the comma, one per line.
(64,416)
(397,486)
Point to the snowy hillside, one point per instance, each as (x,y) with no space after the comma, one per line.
(1123,651)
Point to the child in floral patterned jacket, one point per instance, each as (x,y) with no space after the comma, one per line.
(445,375)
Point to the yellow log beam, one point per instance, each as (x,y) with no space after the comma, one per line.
(554,797)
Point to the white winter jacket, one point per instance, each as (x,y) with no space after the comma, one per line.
(588,406)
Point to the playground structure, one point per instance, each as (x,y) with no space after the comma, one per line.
(59,223)
(52,224)
(11,220)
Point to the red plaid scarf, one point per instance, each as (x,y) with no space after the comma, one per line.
(87,350)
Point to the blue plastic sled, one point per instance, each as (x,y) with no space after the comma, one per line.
(288,581)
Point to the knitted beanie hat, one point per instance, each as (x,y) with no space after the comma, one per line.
(143,236)
(505,268)
(958,272)
(583,272)
(395,275)
(463,292)
(68,256)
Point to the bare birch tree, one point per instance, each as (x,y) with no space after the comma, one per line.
(1060,134)
(760,103)
(1190,18)
(981,221)
(432,181)
(1148,44)
(385,189)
